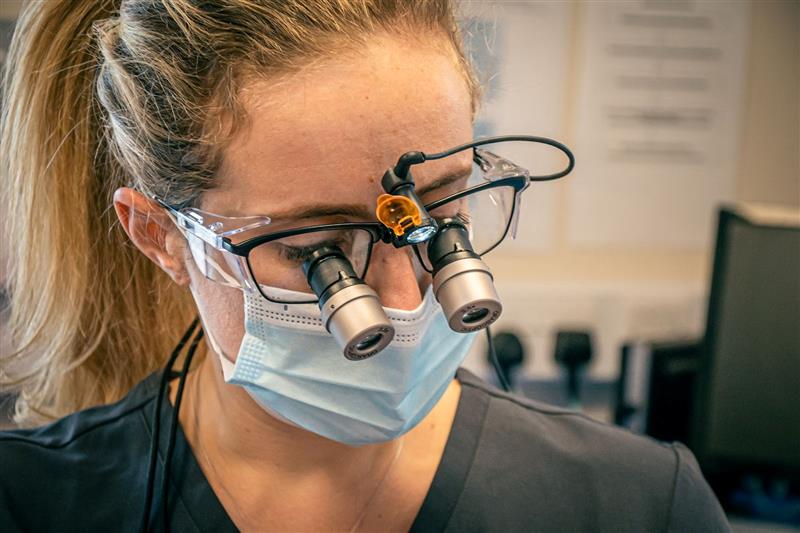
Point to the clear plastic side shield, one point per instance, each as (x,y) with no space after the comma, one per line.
(205,233)
(496,167)
(216,265)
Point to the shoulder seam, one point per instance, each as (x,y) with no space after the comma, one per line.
(556,412)
(10,437)
(559,412)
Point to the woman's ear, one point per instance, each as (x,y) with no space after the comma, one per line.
(151,229)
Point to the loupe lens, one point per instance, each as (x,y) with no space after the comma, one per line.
(369,342)
(474,315)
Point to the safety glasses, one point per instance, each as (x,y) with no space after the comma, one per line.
(257,253)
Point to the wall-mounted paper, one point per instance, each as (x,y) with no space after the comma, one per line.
(657,127)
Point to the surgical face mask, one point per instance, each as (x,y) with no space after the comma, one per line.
(294,369)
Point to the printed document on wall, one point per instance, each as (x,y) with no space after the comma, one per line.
(657,122)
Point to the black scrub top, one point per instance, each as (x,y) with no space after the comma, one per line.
(509,464)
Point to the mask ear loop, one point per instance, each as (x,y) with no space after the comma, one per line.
(173,429)
(165,377)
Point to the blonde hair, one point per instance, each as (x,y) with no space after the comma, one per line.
(101,94)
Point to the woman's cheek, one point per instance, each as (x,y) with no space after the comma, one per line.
(221,310)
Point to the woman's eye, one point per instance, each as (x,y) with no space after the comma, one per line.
(293,253)
(300,254)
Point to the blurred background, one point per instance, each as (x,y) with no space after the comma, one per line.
(658,286)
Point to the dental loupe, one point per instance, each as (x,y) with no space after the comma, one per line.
(462,283)
(351,310)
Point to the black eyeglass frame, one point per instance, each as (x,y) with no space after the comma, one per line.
(377,231)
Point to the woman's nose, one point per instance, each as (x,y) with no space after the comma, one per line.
(397,278)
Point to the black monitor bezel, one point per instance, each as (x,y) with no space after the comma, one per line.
(717,464)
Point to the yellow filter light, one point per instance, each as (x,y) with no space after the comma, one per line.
(397,213)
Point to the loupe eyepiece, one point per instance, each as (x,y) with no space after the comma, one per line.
(351,310)
(462,282)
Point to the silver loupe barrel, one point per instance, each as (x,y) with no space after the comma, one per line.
(465,289)
(356,319)
(351,310)
(462,283)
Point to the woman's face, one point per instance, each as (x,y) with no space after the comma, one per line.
(322,139)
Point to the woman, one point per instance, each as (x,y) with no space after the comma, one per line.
(288,113)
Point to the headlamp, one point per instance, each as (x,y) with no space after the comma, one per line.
(421,234)
(400,209)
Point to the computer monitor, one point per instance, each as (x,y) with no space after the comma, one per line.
(655,392)
(747,410)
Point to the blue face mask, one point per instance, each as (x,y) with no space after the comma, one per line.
(295,370)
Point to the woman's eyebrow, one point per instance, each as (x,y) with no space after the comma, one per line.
(446,179)
(324,210)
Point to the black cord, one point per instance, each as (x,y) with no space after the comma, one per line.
(173,428)
(151,467)
(419,258)
(495,363)
(503,138)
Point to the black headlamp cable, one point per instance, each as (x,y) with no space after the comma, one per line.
(166,376)
(501,377)
(415,158)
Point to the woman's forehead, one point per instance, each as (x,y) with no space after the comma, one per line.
(332,130)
